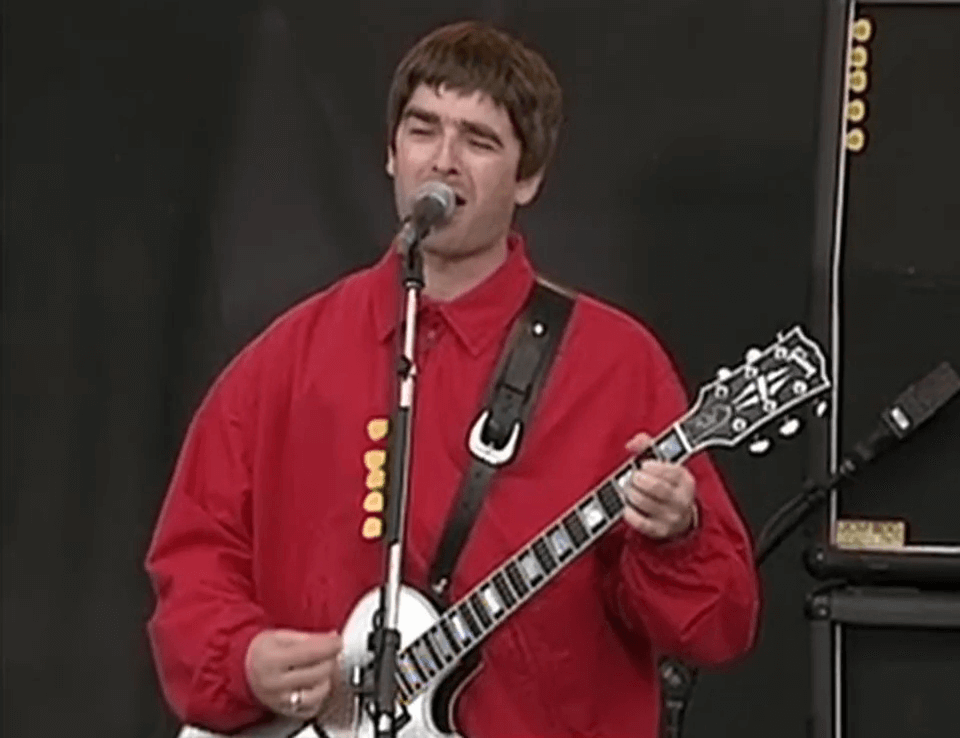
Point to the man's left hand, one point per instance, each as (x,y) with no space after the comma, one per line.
(660,496)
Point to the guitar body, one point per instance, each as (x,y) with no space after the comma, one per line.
(431,714)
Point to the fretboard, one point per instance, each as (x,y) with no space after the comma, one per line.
(431,656)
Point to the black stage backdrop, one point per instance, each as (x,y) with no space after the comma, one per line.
(177,173)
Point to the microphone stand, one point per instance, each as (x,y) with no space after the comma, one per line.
(385,638)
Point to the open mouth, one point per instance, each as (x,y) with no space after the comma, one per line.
(458,199)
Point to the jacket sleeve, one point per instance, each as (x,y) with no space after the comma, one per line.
(199,564)
(696,597)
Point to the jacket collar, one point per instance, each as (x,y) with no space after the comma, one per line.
(477,317)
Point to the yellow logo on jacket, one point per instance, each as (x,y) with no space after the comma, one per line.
(374,461)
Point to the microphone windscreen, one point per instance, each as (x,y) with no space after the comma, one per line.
(433,203)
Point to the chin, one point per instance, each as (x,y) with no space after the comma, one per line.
(446,240)
(446,247)
(451,242)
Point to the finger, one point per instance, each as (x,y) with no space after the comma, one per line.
(319,647)
(671,517)
(639,443)
(294,703)
(314,697)
(291,638)
(302,678)
(661,490)
(665,470)
(646,525)
(304,700)
(288,637)
(644,503)
(273,647)
(674,488)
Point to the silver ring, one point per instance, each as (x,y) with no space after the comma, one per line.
(296,699)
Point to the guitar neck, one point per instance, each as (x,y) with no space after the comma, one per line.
(466,623)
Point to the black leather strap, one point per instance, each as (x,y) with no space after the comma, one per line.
(523,366)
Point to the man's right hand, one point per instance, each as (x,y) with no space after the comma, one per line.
(292,671)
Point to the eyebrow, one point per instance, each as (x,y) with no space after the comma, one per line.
(471,127)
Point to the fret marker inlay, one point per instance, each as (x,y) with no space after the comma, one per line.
(530,567)
(491,601)
(594,515)
(460,629)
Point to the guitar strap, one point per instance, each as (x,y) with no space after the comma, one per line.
(518,378)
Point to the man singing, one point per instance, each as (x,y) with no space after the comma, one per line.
(270,531)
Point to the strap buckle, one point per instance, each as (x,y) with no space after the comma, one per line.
(488,452)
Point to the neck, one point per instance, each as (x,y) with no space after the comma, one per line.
(448,276)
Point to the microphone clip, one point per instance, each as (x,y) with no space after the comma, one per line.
(410,253)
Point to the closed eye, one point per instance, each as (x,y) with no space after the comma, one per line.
(481,144)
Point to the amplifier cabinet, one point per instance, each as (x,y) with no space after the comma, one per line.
(885,299)
(885,663)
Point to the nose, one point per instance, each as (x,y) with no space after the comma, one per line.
(446,159)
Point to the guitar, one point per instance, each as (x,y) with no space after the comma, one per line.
(439,650)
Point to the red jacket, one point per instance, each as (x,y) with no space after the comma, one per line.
(262,526)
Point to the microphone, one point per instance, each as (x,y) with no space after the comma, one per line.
(915,405)
(433,204)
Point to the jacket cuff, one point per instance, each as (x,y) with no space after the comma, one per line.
(236,666)
(221,696)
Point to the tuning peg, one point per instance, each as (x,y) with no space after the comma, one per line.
(821,408)
(760,445)
(723,373)
(753,355)
(790,427)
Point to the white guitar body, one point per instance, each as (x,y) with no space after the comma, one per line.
(344,717)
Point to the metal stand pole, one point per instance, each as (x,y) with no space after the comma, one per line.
(385,637)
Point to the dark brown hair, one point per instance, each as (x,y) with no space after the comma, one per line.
(473,56)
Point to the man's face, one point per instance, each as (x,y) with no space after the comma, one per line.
(467,142)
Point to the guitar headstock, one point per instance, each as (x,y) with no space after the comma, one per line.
(768,384)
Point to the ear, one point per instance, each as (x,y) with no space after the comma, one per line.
(390,162)
(527,188)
